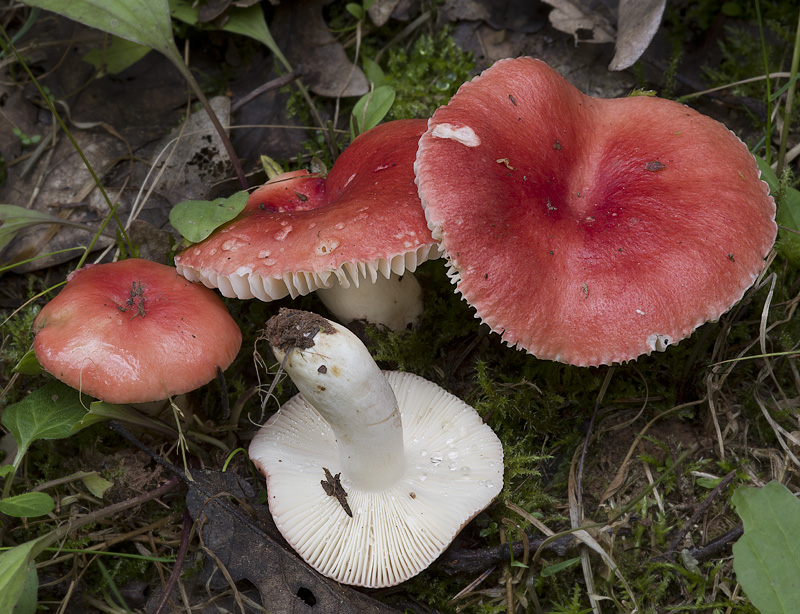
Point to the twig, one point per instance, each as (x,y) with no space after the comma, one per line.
(177,568)
(456,560)
(269,85)
(714,547)
(110,510)
(701,509)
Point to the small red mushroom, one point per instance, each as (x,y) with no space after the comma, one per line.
(584,230)
(134,331)
(357,235)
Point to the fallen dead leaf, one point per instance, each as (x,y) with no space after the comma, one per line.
(240,542)
(576,17)
(381,10)
(637,24)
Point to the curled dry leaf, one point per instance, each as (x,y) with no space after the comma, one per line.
(249,547)
(381,10)
(637,25)
(575,16)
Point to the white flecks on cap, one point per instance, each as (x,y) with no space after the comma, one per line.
(464,135)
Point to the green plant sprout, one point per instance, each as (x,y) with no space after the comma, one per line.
(24,138)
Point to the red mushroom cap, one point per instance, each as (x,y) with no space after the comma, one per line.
(134,331)
(300,232)
(585,230)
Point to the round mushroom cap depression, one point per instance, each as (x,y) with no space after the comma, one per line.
(134,331)
(584,230)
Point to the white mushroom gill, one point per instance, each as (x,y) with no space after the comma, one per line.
(415,463)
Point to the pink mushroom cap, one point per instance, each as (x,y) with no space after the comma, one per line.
(134,331)
(584,230)
(300,232)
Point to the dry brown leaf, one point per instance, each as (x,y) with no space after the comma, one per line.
(575,16)
(381,10)
(232,539)
(636,26)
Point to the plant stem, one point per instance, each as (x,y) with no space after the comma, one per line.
(789,101)
(177,569)
(223,133)
(768,148)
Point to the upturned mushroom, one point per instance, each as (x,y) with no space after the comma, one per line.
(134,331)
(370,475)
(590,231)
(355,237)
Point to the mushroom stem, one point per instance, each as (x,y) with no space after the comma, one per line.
(337,376)
(395,302)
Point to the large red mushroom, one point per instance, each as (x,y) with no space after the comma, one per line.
(134,331)
(355,237)
(590,231)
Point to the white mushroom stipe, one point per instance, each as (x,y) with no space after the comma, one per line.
(416,463)
(395,303)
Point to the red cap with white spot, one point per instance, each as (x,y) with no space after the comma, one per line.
(584,230)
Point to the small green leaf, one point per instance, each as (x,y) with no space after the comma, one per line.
(788,219)
(250,22)
(185,11)
(197,219)
(766,558)
(16,218)
(100,411)
(47,413)
(28,364)
(731,9)
(371,108)
(355,10)
(373,71)
(14,565)
(5,470)
(146,22)
(245,21)
(551,570)
(271,168)
(118,56)
(29,599)
(767,174)
(27,505)
(788,216)
(708,482)
(96,485)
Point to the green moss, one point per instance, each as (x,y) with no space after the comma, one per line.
(427,75)
(18,337)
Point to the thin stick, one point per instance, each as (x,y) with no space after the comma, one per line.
(177,568)
(789,100)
